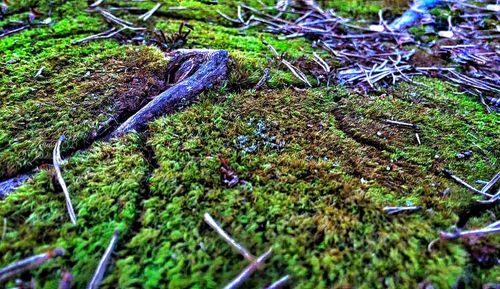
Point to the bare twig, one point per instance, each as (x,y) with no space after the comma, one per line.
(39,72)
(400,123)
(28,264)
(225,236)
(493,199)
(465,184)
(418,139)
(280,283)
(144,17)
(103,35)
(491,183)
(56,157)
(103,263)
(96,3)
(492,228)
(255,265)
(397,210)
(294,70)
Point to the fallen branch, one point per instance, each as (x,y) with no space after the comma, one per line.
(103,263)
(56,157)
(206,68)
(28,264)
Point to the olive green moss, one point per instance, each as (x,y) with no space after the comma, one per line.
(78,88)
(318,165)
(303,195)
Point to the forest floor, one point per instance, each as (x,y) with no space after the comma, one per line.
(319,164)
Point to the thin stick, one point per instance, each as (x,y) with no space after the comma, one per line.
(493,199)
(492,228)
(280,283)
(400,123)
(150,13)
(103,264)
(242,250)
(466,185)
(96,3)
(66,281)
(258,263)
(56,157)
(28,264)
(418,138)
(397,210)
(491,183)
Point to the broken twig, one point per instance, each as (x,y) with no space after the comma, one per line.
(56,157)
(457,233)
(103,263)
(397,210)
(255,265)
(225,236)
(280,283)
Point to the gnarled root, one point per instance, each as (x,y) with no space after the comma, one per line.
(193,71)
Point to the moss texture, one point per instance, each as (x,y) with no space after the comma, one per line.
(319,165)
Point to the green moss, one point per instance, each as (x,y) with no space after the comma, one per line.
(73,95)
(318,165)
(104,184)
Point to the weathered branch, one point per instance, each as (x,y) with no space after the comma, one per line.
(196,70)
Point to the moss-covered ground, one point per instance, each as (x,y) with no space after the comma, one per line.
(318,164)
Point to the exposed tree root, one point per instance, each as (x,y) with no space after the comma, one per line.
(191,71)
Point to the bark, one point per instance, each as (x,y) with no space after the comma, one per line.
(193,71)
